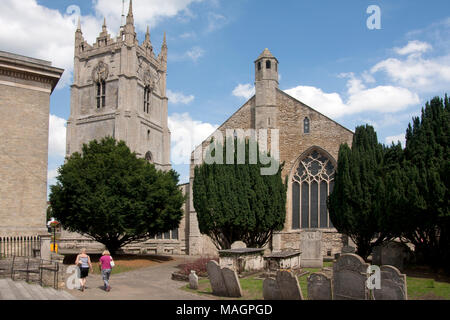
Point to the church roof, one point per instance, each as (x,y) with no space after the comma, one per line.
(266,54)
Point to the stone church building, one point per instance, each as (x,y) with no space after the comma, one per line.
(119,90)
(308,144)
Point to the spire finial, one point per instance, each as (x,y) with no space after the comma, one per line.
(79,24)
(147,35)
(104,24)
(130,19)
(164,41)
(130,9)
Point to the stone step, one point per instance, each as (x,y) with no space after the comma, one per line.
(22,286)
(5,291)
(37,292)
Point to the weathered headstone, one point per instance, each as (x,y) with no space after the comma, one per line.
(348,249)
(288,286)
(319,287)
(393,285)
(216,279)
(392,253)
(232,283)
(193,280)
(271,290)
(349,278)
(238,245)
(311,249)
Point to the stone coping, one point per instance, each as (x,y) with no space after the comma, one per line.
(283,254)
(241,251)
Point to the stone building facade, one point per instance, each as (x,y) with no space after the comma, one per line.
(308,144)
(25,88)
(119,90)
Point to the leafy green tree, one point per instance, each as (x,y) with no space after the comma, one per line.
(113,197)
(235,202)
(356,204)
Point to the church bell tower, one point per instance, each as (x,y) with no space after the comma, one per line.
(119,90)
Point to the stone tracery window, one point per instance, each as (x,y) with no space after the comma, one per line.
(311,184)
(101,94)
(147,97)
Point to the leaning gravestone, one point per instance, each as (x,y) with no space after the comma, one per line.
(271,290)
(193,280)
(232,283)
(319,287)
(216,278)
(288,286)
(311,249)
(349,278)
(392,253)
(393,285)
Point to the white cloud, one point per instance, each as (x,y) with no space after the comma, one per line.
(414,46)
(179,97)
(144,12)
(382,99)
(215,21)
(57,136)
(396,139)
(186,134)
(416,72)
(195,53)
(244,91)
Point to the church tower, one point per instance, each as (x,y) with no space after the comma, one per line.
(119,90)
(266,85)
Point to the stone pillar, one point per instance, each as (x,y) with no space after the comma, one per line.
(45,247)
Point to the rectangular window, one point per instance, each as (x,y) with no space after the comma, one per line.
(305,205)
(175,234)
(295,205)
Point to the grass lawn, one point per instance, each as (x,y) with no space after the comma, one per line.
(418,288)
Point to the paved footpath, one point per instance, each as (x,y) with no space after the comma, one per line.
(151,283)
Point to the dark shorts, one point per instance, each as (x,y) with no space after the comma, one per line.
(84,272)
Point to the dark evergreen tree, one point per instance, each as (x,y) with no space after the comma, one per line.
(235,202)
(115,198)
(357,204)
(426,215)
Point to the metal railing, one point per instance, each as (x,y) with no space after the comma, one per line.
(20,246)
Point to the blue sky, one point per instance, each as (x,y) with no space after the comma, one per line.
(328,57)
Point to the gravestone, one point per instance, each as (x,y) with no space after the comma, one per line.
(232,283)
(393,285)
(349,278)
(311,249)
(288,286)
(319,287)
(348,249)
(271,290)
(391,253)
(216,279)
(238,245)
(193,280)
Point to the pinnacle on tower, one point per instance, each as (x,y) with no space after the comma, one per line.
(79,24)
(147,35)
(104,25)
(130,19)
(164,45)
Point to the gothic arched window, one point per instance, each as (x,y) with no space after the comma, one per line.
(306,125)
(311,184)
(147,97)
(268,64)
(101,94)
